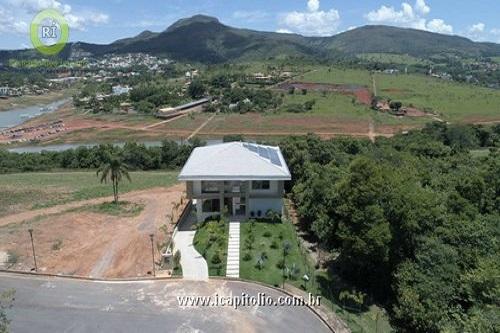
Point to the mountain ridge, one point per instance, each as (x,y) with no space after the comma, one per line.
(205,39)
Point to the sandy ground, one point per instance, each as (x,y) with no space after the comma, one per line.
(92,244)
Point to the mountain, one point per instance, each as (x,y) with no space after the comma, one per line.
(205,39)
(385,39)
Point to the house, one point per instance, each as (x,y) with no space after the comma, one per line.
(240,179)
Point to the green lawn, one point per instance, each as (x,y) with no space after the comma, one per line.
(210,241)
(453,101)
(265,239)
(26,191)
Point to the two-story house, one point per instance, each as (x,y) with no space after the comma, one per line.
(240,179)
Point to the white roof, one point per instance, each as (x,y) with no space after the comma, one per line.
(235,161)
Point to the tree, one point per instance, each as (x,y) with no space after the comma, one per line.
(6,299)
(113,170)
(395,106)
(196,89)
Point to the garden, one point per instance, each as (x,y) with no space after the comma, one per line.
(210,241)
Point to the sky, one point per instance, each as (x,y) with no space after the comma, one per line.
(103,21)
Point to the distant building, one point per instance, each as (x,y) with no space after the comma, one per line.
(121,90)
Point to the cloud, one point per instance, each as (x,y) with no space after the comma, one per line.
(439,26)
(313,22)
(16,15)
(410,17)
(250,16)
(422,8)
(313,5)
(284,31)
(9,23)
(477,28)
(480,33)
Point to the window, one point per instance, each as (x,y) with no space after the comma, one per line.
(261,185)
(211,206)
(209,187)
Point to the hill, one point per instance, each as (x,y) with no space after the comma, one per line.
(417,43)
(205,39)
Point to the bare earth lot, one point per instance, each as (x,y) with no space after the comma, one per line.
(73,240)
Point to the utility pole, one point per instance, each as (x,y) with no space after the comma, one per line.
(151,236)
(33,248)
(284,265)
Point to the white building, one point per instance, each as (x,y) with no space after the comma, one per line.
(241,179)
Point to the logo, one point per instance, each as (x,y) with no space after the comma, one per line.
(49,32)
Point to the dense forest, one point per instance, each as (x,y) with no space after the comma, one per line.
(414,220)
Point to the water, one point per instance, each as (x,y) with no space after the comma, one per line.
(67,146)
(18,116)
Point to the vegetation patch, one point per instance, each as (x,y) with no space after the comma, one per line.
(122,208)
(210,241)
(270,253)
(69,186)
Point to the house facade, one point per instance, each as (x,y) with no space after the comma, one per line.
(240,179)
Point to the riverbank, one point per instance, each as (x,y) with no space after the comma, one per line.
(27,101)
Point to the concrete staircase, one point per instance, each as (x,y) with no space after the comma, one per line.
(233,251)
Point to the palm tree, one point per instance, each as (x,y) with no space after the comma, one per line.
(113,170)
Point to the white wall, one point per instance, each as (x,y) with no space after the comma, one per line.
(264,204)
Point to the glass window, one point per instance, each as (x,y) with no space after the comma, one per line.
(261,185)
(209,187)
(211,206)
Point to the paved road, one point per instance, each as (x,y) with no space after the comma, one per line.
(64,305)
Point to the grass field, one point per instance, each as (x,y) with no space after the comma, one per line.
(452,101)
(332,104)
(27,191)
(210,241)
(339,76)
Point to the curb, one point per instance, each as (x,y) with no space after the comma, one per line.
(86,278)
(283,291)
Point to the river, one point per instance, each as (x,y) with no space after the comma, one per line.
(17,116)
(66,146)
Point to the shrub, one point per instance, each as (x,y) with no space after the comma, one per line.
(13,257)
(280,264)
(274,245)
(293,272)
(57,245)
(216,259)
(177,258)
(267,234)
(247,256)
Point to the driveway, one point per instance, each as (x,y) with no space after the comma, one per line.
(194,266)
(64,305)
